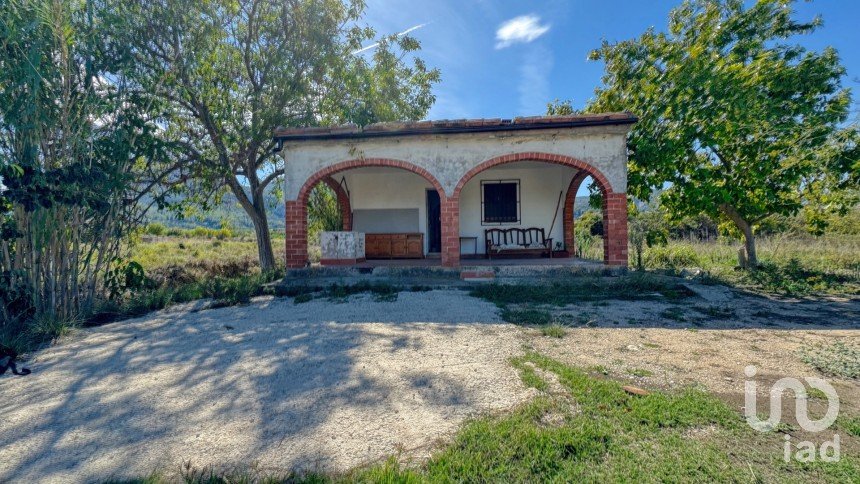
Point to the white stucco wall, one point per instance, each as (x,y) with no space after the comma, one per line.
(540,185)
(387,188)
(448,157)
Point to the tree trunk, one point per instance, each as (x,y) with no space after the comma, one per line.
(264,244)
(261,230)
(256,210)
(749,236)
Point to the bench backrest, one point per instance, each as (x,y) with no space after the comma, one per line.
(514,236)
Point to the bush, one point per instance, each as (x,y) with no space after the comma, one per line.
(156,229)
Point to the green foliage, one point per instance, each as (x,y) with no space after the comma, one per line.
(646,228)
(553,330)
(671,257)
(851,425)
(738,122)
(323,211)
(838,359)
(231,72)
(527,317)
(125,276)
(561,108)
(585,238)
(78,152)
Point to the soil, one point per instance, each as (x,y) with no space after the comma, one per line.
(328,385)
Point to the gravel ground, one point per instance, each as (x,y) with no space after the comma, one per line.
(318,385)
(331,385)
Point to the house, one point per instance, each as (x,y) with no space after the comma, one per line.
(446,184)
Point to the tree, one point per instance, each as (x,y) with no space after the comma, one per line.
(78,152)
(738,122)
(647,227)
(234,70)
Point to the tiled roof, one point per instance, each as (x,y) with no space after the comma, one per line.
(453,126)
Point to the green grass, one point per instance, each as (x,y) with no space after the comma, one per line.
(553,331)
(594,432)
(193,252)
(836,359)
(640,372)
(527,317)
(850,425)
(799,265)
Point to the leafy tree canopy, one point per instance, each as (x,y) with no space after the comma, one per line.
(231,71)
(738,121)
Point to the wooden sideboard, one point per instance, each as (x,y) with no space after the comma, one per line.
(394,246)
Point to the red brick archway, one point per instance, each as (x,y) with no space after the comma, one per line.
(569,201)
(297,210)
(614,208)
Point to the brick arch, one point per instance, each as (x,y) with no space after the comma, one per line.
(602,181)
(569,201)
(297,210)
(305,191)
(614,207)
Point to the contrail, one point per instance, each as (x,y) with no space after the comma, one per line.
(401,34)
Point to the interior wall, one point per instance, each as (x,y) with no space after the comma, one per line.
(540,185)
(388,188)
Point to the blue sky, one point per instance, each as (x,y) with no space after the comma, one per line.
(505,58)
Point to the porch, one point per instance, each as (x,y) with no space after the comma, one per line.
(430,273)
(436,193)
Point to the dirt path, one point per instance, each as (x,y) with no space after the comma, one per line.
(327,385)
(314,385)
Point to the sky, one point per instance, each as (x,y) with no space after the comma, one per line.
(506,58)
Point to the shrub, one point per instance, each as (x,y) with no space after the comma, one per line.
(156,229)
(837,359)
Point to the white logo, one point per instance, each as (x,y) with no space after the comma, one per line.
(805,450)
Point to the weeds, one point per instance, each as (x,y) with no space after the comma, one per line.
(837,359)
(640,372)
(851,425)
(553,330)
(527,317)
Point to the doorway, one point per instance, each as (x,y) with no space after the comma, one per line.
(434,222)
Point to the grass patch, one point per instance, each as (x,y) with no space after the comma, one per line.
(527,317)
(836,359)
(850,424)
(796,265)
(640,372)
(553,331)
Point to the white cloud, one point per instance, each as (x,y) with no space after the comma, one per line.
(523,29)
(401,34)
(534,87)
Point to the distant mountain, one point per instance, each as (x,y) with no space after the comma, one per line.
(230,211)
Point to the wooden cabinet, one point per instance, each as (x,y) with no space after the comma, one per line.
(394,246)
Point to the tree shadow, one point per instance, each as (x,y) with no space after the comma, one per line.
(273,382)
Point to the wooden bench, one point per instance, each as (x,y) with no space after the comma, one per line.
(515,241)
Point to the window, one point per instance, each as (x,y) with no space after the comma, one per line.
(500,201)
